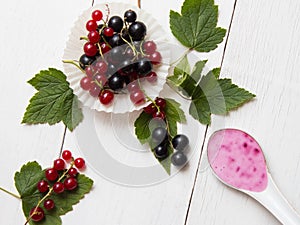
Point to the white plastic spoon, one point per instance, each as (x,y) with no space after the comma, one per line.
(238,161)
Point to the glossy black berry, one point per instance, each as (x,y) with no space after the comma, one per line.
(137,31)
(126,66)
(178,159)
(161,151)
(116,55)
(130,16)
(116,40)
(111,69)
(143,67)
(85,60)
(116,23)
(116,82)
(125,35)
(180,141)
(159,134)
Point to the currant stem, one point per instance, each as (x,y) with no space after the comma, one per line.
(10,193)
(49,192)
(73,63)
(84,38)
(181,57)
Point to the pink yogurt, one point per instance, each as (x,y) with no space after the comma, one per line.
(238,160)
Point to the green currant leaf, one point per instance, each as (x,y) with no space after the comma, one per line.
(54,101)
(174,115)
(142,129)
(216,96)
(26,180)
(196,27)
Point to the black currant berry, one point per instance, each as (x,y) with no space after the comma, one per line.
(116,23)
(143,67)
(126,66)
(111,69)
(137,31)
(178,159)
(116,82)
(130,16)
(125,35)
(159,135)
(161,151)
(116,40)
(116,55)
(85,60)
(180,141)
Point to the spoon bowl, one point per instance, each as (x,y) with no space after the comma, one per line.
(238,161)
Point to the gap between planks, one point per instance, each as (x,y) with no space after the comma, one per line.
(205,133)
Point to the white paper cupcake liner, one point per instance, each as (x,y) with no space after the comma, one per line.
(74,49)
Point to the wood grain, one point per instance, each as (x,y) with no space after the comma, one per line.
(261,55)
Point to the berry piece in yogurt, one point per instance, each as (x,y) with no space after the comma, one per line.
(237,159)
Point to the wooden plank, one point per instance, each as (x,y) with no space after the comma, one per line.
(163,203)
(262,55)
(33,36)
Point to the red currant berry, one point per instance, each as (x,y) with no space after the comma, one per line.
(101,67)
(149,47)
(160,102)
(86,83)
(58,187)
(51,174)
(37,214)
(49,204)
(151,77)
(91,25)
(95,90)
(89,70)
(73,172)
(155,58)
(132,86)
(79,163)
(108,32)
(97,15)
(104,48)
(137,97)
(106,97)
(70,183)
(159,114)
(66,155)
(43,186)
(94,37)
(59,164)
(150,109)
(102,79)
(90,49)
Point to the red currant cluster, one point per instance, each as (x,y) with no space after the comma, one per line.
(57,179)
(115,55)
(160,137)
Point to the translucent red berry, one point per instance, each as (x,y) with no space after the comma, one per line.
(43,186)
(94,37)
(104,47)
(79,163)
(73,172)
(89,71)
(159,114)
(149,47)
(58,187)
(90,49)
(66,155)
(49,204)
(155,58)
(97,15)
(59,164)
(137,97)
(108,32)
(150,109)
(86,83)
(37,214)
(151,77)
(91,25)
(106,97)
(51,174)
(101,66)
(160,102)
(70,183)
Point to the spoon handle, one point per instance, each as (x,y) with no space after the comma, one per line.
(272,199)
